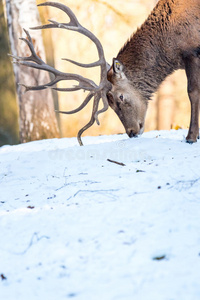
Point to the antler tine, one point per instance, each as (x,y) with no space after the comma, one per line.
(29,37)
(85,102)
(94,64)
(92,120)
(36,62)
(94,116)
(29,42)
(18,58)
(75,88)
(32,88)
(75,26)
(105,107)
(33,56)
(89,85)
(73,20)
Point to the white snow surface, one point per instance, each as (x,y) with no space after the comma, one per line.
(76,226)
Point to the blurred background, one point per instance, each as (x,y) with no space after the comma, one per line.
(113,22)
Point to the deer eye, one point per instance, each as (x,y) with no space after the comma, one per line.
(121,97)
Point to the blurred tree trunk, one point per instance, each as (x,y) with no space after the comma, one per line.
(49,53)
(165,105)
(8,106)
(36,109)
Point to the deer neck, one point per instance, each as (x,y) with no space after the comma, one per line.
(149,57)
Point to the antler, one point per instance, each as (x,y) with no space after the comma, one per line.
(97,92)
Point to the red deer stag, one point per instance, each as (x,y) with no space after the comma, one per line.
(167,41)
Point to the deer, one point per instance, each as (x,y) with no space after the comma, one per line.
(168,40)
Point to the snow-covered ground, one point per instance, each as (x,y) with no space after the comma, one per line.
(74,225)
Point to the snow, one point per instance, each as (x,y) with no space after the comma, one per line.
(76,226)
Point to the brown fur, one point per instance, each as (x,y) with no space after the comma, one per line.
(168,40)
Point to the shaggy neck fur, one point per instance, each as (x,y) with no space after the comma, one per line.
(150,55)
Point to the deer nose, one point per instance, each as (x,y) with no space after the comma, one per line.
(131,134)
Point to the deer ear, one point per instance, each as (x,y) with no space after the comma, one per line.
(117,66)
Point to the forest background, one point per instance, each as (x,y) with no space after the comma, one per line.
(113,22)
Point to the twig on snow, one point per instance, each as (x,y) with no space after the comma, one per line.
(116,162)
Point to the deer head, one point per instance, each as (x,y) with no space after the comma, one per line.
(114,88)
(125,100)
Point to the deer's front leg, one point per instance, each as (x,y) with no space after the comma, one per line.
(192,67)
